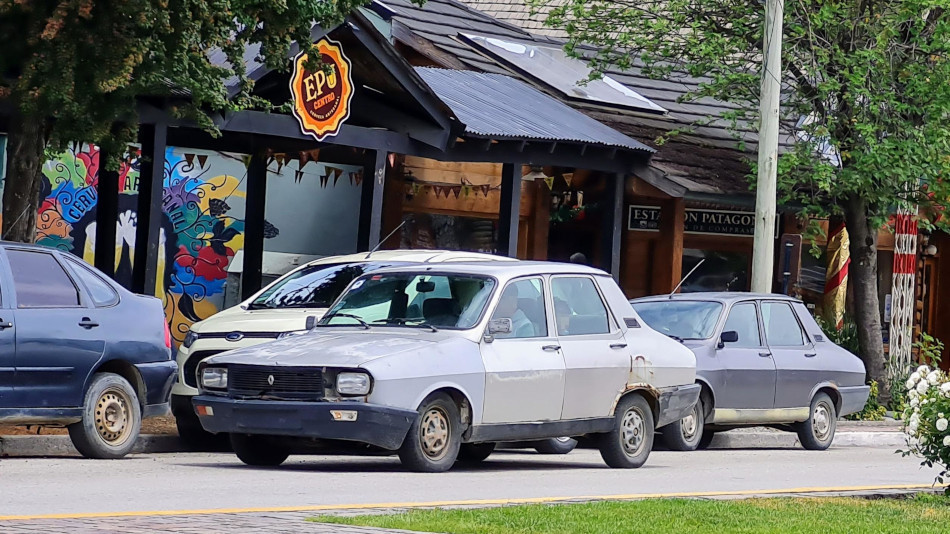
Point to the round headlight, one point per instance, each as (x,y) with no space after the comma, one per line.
(214,377)
(353,383)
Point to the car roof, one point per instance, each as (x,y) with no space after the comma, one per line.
(501,269)
(718,296)
(411,256)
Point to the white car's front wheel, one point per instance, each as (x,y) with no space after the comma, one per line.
(433,441)
(629,444)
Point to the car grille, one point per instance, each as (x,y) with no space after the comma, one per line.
(190,370)
(304,383)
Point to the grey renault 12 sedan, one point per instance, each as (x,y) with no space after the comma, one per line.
(761,360)
(438,363)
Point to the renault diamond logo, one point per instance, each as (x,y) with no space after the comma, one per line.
(270,380)
(234,336)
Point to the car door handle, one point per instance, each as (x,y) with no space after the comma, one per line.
(88,323)
(618,346)
(551,348)
(5,324)
(811,354)
(765,354)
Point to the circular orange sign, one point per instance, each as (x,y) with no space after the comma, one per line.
(322,98)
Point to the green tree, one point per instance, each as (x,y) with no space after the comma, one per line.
(866,100)
(74,70)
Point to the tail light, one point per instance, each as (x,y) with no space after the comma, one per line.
(168,336)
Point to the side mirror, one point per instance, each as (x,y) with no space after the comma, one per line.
(497,326)
(728,337)
(311,322)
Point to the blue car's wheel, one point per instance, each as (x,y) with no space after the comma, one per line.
(111,418)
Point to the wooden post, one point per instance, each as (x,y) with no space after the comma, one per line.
(371,201)
(252,272)
(668,251)
(613,224)
(107,207)
(509,210)
(153,138)
(540,221)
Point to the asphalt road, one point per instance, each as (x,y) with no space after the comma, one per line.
(203,481)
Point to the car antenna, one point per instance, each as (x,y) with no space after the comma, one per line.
(383,240)
(691,271)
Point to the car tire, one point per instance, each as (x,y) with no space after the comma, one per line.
(706,440)
(195,438)
(260,451)
(474,453)
(111,418)
(685,434)
(561,445)
(629,444)
(434,439)
(817,433)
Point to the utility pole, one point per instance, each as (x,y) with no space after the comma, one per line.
(763,248)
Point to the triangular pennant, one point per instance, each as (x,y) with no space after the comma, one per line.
(568,177)
(190,158)
(315,155)
(466,190)
(336,174)
(485,189)
(456,190)
(202,159)
(549,180)
(358,177)
(246,159)
(302,159)
(392,160)
(298,176)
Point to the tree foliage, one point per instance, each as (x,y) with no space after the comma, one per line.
(76,69)
(865,100)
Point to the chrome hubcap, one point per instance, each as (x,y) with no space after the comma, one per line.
(434,432)
(689,424)
(113,416)
(632,432)
(821,421)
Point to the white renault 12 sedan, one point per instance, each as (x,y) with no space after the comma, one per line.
(438,363)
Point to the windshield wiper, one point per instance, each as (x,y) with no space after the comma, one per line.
(422,323)
(261,306)
(357,318)
(677,338)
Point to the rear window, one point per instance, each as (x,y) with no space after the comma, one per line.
(314,286)
(41,281)
(685,319)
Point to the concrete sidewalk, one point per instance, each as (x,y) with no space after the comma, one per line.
(881,434)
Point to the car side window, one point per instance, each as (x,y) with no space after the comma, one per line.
(40,280)
(781,326)
(101,293)
(743,321)
(522,301)
(578,308)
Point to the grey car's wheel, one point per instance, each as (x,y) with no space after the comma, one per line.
(562,445)
(111,418)
(706,440)
(433,441)
(685,434)
(629,444)
(475,452)
(262,451)
(817,433)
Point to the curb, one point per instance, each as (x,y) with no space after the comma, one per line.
(756,440)
(27,446)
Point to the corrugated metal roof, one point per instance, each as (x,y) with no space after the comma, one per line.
(494,105)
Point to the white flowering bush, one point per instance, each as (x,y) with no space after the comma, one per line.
(927,418)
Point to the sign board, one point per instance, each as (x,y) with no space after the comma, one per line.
(322,98)
(698,221)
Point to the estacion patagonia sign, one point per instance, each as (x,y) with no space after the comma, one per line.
(698,221)
(322,98)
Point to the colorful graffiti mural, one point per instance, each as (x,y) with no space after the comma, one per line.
(202,227)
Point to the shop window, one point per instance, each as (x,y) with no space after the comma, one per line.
(448,232)
(722,271)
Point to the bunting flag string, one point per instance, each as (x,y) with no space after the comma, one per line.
(446,190)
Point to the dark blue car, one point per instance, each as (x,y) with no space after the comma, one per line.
(76,349)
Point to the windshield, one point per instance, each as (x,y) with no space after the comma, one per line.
(412,299)
(685,319)
(314,286)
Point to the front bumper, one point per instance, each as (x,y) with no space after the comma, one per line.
(382,426)
(853,398)
(676,403)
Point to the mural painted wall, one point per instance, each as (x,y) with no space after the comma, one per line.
(203,219)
